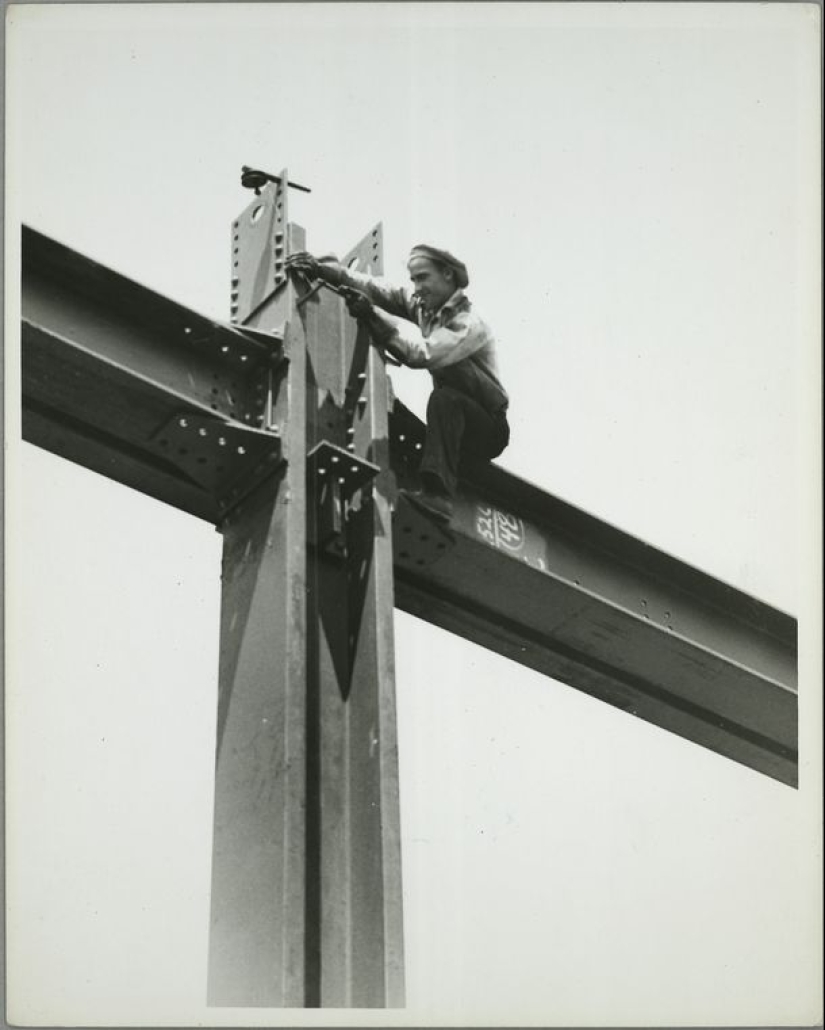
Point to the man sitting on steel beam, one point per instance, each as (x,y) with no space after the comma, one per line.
(467,410)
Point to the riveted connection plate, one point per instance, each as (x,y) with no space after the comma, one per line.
(406,443)
(222,457)
(417,541)
(259,250)
(328,463)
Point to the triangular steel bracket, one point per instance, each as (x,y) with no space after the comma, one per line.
(223,457)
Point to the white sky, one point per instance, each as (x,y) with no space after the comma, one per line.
(635,189)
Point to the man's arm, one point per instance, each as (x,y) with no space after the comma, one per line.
(465,335)
(394,299)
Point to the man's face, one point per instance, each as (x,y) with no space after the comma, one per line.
(431,281)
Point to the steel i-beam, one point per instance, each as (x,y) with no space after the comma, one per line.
(525,574)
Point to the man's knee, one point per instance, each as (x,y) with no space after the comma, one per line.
(445,399)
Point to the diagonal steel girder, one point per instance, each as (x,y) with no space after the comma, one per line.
(109,365)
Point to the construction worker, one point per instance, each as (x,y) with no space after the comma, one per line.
(467,410)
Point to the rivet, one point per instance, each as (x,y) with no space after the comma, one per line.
(182,423)
(322,472)
(241,450)
(202,432)
(334,459)
(222,441)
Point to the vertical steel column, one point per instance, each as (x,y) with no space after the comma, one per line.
(257,940)
(306,887)
(354,890)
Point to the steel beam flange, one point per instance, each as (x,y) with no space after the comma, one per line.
(220,456)
(239,350)
(417,541)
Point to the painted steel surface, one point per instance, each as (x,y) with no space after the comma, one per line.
(307,610)
(258,929)
(110,370)
(353,813)
(527,575)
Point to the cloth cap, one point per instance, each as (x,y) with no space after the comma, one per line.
(442,257)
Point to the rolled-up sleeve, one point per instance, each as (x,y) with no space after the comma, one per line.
(463,336)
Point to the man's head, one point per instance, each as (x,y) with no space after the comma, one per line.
(436,275)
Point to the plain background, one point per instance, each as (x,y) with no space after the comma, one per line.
(635,189)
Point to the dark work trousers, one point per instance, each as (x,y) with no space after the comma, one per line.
(459,427)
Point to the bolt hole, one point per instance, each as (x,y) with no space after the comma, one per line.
(404,554)
(424,538)
(164,443)
(256,213)
(182,450)
(201,461)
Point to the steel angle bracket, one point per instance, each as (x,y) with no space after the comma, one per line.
(417,540)
(334,476)
(272,341)
(227,459)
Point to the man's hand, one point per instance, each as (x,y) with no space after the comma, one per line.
(303,263)
(358,304)
(308,266)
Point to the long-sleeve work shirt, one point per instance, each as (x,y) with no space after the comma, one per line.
(453,343)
